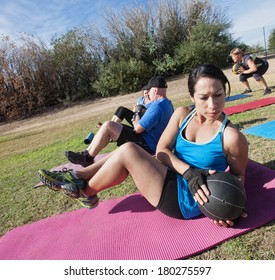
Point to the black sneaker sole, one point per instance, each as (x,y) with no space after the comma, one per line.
(81,162)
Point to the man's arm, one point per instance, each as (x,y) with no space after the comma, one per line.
(137,127)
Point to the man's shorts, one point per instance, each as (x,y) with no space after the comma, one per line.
(129,135)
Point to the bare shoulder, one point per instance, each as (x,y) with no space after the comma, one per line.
(233,138)
(236,150)
(177,118)
(182,111)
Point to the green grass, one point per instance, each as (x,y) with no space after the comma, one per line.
(23,153)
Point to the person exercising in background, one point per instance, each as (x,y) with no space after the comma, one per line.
(142,105)
(250,66)
(145,131)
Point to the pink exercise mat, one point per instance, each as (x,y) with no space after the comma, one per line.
(130,228)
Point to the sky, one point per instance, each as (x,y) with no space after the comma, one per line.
(252,19)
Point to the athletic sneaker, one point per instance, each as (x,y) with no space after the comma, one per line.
(44,179)
(247,91)
(267,91)
(82,158)
(63,181)
(88,201)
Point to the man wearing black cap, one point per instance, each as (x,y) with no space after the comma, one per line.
(145,131)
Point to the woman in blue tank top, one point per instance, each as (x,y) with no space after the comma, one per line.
(196,142)
(201,140)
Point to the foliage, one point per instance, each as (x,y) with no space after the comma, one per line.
(158,37)
(165,65)
(206,44)
(27,78)
(245,48)
(75,68)
(32,76)
(254,48)
(122,77)
(271,40)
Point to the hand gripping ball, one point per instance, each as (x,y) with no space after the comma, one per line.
(236,68)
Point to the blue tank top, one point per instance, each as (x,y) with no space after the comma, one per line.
(207,155)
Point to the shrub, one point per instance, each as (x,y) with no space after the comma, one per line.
(122,77)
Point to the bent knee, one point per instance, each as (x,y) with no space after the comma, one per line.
(109,125)
(105,125)
(131,150)
(258,78)
(130,146)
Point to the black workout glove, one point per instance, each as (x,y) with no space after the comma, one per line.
(195,178)
(134,117)
(140,110)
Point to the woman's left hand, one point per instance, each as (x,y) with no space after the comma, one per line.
(202,193)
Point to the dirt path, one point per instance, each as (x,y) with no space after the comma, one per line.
(80,111)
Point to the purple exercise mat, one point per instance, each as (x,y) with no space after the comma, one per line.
(130,228)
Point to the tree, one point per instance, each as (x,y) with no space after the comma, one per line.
(122,77)
(206,44)
(27,78)
(74,65)
(207,39)
(271,40)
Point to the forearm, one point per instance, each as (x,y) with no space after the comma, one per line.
(252,68)
(135,122)
(239,174)
(168,158)
(248,71)
(242,179)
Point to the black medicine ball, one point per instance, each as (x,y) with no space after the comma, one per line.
(227,197)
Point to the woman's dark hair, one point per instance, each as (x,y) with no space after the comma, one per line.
(207,70)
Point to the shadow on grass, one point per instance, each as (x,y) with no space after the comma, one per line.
(241,125)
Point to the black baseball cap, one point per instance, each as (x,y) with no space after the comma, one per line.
(157,81)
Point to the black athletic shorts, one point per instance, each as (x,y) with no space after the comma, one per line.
(168,203)
(256,75)
(129,135)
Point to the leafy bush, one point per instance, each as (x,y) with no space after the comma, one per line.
(74,66)
(122,77)
(167,65)
(33,77)
(27,79)
(206,44)
(271,40)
